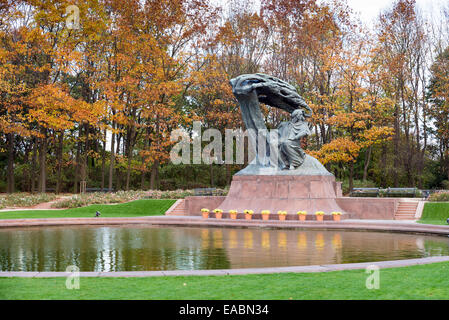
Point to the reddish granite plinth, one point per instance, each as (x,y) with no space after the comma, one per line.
(283,192)
(369,208)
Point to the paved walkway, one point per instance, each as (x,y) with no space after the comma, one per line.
(223,272)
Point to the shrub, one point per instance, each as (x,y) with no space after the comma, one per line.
(85,199)
(439,196)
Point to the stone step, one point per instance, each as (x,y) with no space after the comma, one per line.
(406,210)
(177,209)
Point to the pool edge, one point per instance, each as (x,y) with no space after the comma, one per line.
(223,272)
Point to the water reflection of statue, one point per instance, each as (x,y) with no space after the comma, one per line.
(291,133)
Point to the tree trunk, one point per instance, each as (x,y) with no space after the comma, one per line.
(42,162)
(118,181)
(367,161)
(447,164)
(129,153)
(351,176)
(77,162)
(103,161)
(396,151)
(144,167)
(10,173)
(128,173)
(59,156)
(111,163)
(33,166)
(84,157)
(26,185)
(154,173)
(142,180)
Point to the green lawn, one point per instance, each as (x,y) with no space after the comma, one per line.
(136,208)
(415,282)
(435,213)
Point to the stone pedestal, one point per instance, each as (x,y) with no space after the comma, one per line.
(291,193)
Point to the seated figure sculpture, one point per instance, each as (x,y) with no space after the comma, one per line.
(291,134)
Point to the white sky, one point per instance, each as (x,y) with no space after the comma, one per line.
(370,9)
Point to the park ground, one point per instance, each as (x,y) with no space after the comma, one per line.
(414,282)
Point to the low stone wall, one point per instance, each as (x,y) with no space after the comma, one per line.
(357,208)
(193,205)
(369,208)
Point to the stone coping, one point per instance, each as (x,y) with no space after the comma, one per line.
(222,272)
(197,221)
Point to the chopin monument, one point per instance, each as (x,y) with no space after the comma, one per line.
(281,176)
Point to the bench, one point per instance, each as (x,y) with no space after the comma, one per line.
(401,192)
(204,191)
(365,192)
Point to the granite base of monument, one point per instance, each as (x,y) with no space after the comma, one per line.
(289,193)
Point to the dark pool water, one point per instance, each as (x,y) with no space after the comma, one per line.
(130,248)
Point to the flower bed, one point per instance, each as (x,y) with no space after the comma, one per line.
(439,196)
(24,199)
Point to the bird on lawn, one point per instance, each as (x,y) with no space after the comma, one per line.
(97,214)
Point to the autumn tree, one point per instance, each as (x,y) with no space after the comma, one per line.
(439,97)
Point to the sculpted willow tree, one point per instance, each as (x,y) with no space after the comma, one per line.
(282,151)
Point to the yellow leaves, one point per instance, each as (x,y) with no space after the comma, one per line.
(376,135)
(349,120)
(52,107)
(339,150)
(218,102)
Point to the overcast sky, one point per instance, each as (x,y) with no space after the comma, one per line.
(370,9)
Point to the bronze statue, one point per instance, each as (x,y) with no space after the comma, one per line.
(291,134)
(250,90)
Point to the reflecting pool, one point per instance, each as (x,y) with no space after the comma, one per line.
(131,248)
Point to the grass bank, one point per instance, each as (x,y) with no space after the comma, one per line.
(136,208)
(415,282)
(435,213)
